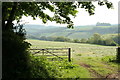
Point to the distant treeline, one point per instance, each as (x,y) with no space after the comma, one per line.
(103,24)
(95,39)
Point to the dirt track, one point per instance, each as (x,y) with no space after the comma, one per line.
(97,75)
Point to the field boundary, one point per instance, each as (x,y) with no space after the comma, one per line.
(53,52)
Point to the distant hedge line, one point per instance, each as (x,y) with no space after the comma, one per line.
(95,39)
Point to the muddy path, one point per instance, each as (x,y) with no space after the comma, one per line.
(94,74)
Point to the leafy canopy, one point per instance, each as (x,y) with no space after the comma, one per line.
(61,10)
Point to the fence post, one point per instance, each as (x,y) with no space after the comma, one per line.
(69,54)
(43,51)
(118,54)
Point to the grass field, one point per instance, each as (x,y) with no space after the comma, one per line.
(94,61)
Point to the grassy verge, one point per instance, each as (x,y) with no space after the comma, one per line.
(102,65)
(43,68)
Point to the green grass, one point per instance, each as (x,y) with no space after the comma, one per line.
(57,69)
(100,64)
(78,72)
(96,56)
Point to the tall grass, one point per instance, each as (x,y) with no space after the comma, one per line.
(43,68)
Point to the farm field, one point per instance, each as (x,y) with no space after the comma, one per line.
(94,61)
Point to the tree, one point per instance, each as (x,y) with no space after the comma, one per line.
(15,10)
(110,42)
(14,46)
(76,41)
(43,38)
(90,40)
(116,39)
(103,24)
(62,39)
(83,40)
(97,38)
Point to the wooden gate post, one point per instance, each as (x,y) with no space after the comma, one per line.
(69,54)
(43,51)
(118,54)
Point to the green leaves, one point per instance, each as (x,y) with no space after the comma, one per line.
(73,13)
(44,21)
(109,4)
(70,26)
(101,3)
(61,10)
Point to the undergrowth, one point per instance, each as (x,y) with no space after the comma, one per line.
(43,68)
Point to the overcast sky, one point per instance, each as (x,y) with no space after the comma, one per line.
(102,14)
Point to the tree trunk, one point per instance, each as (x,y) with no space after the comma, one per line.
(9,24)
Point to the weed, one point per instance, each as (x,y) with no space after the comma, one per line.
(79,54)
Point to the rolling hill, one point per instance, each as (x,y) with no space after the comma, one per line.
(36,31)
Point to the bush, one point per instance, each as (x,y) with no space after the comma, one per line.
(76,41)
(110,42)
(42,68)
(15,56)
(109,58)
(79,54)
